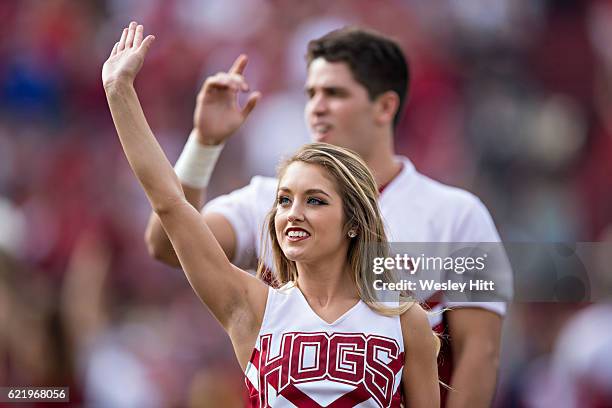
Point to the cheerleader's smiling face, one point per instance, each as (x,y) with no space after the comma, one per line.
(309,220)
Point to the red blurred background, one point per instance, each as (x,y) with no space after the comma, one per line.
(510,99)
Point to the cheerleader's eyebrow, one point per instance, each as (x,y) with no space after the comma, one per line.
(309,191)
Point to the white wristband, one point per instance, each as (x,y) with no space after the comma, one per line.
(197,162)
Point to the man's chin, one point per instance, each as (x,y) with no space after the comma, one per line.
(332,139)
(322,138)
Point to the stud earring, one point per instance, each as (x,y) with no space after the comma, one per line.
(352,234)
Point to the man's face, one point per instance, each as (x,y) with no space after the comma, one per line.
(338,110)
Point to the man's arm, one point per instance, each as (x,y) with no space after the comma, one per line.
(475,336)
(475,329)
(216,117)
(159,245)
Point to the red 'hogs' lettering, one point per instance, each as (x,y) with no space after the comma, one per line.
(346,358)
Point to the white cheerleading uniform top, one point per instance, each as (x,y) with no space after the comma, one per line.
(300,360)
(414,207)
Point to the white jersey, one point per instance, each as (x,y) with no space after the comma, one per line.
(300,360)
(414,207)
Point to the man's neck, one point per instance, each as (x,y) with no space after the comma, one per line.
(384,166)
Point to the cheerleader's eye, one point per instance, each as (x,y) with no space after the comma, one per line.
(283,201)
(316,201)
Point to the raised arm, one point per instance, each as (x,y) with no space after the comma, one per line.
(216,117)
(231,294)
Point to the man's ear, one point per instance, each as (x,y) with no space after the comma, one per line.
(386,106)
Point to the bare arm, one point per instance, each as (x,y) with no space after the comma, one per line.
(420,376)
(216,117)
(231,294)
(475,336)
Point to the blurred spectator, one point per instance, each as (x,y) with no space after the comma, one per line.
(13,225)
(579,371)
(33,346)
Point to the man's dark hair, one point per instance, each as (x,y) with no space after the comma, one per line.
(376,62)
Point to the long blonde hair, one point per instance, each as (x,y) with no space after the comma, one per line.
(356,186)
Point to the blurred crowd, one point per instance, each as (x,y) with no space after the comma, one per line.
(510,99)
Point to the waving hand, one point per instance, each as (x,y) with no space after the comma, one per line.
(127,56)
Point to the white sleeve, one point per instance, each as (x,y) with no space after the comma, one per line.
(477,225)
(245,210)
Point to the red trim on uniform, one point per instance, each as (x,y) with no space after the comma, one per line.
(445,356)
(382,187)
(350,399)
(298,398)
(434,300)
